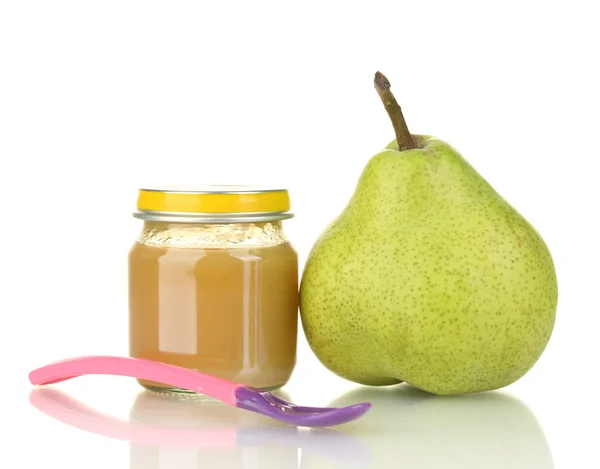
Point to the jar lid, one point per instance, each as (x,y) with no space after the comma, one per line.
(212,204)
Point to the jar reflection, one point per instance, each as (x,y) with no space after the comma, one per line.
(219,431)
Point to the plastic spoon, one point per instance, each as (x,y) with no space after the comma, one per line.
(229,392)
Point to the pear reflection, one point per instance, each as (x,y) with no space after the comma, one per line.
(412,429)
(165,432)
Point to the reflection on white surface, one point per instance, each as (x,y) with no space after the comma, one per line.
(405,428)
(409,429)
(179,434)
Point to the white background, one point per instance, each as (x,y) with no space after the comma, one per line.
(100,97)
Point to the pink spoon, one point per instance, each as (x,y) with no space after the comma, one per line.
(229,392)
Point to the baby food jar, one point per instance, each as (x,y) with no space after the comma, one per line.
(213,284)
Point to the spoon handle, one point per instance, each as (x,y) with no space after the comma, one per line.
(171,375)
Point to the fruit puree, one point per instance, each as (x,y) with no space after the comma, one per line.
(230,311)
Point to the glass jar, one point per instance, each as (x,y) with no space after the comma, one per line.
(213,284)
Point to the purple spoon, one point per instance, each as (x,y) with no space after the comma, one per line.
(229,392)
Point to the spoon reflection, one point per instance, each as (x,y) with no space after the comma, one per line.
(202,431)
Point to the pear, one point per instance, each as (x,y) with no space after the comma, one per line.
(428,276)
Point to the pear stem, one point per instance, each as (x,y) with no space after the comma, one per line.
(403,136)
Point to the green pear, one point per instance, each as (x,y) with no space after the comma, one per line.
(428,276)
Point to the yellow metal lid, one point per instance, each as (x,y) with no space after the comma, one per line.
(213,204)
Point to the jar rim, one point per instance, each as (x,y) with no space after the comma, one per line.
(211,218)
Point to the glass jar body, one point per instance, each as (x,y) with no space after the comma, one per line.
(220,299)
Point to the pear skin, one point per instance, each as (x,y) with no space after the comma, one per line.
(428,276)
